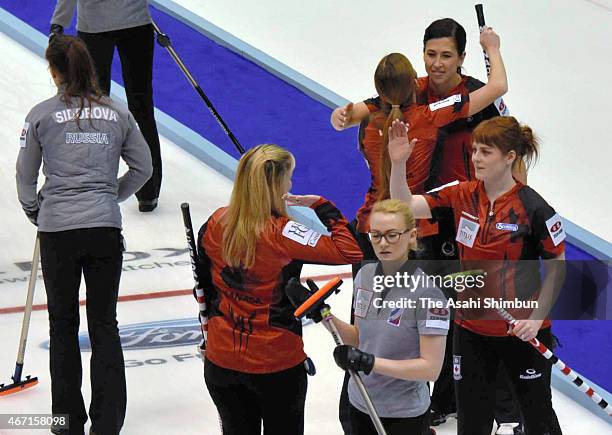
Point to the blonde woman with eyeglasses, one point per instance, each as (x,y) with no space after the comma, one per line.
(400,329)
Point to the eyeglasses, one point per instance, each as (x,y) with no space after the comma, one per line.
(391,237)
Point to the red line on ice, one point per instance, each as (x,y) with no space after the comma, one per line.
(158,295)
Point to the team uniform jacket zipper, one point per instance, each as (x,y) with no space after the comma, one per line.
(489,218)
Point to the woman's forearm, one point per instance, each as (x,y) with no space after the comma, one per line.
(398,186)
(348,332)
(418,369)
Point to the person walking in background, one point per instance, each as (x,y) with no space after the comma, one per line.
(126,25)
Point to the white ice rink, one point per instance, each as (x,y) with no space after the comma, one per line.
(166,391)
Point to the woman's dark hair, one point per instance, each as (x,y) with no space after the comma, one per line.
(446,28)
(69,57)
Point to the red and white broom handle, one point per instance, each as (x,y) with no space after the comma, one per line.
(571,374)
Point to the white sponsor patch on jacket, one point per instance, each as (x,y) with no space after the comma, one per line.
(445,103)
(24,134)
(438,318)
(363,299)
(555,229)
(466,232)
(301,234)
(506,227)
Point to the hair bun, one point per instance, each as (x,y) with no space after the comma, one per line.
(528,135)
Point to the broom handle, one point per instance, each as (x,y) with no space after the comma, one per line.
(27,312)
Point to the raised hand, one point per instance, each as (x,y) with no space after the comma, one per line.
(489,40)
(342,116)
(300,200)
(400,148)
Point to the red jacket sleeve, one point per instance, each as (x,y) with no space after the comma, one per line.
(300,242)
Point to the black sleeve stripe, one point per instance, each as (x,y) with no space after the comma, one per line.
(538,212)
(203,270)
(374,101)
(459,104)
(328,214)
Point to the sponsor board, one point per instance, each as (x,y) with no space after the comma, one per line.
(158,258)
(153,335)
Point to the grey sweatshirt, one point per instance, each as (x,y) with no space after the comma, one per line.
(96,16)
(394,333)
(80,164)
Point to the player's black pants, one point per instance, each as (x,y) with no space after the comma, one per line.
(97,254)
(135,46)
(438,256)
(443,396)
(476,372)
(361,424)
(243,400)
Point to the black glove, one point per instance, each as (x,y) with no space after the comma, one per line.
(33,216)
(298,294)
(350,358)
(55,30)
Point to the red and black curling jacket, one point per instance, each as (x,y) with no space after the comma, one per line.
(424,122)
(519,226)
(452,154)
(251,327)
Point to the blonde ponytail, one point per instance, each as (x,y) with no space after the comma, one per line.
(257,196)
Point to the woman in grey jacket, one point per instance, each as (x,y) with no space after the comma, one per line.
(401,322)
(80,135)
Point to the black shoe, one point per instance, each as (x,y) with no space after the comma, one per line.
(436,418)
(57,431)
(147,206)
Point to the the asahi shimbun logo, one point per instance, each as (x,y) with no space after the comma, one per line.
(167,333)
